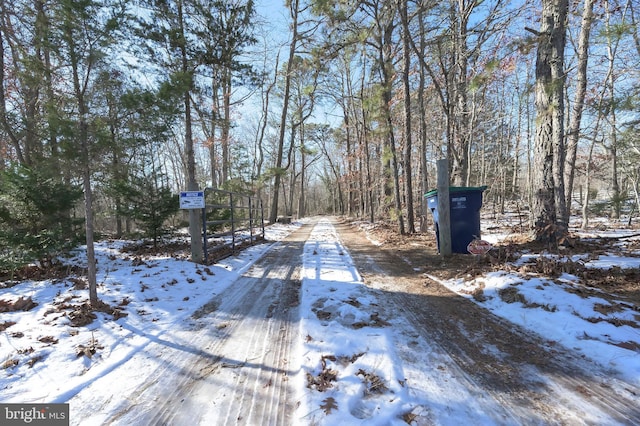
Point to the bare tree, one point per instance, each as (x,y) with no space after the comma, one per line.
(573,135)
(406,69)
(295,11)
(613,41)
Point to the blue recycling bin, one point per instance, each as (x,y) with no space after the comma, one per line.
(464,212)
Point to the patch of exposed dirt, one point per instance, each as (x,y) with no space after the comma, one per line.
(146,248)
(84,314)
(182,250)
(618,281)
(221,251)
(56,271)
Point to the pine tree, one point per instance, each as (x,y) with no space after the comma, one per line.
(34,224)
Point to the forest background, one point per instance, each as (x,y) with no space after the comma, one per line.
(109,108)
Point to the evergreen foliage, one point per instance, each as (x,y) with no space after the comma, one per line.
(36,220)
(148,202)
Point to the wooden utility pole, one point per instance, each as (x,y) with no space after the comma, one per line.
(444,216)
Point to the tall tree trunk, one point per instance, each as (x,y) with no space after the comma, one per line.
(367,152)
(424,182)
(294,10)
(408,178)
(516,157)
(226,125)
(5,122)
(258,157)
(85,157)
(195,228)
(346,101)
(587,188)
(461,133)
(612,45)
(573,135)
(390,156)
(549,90)
(213,143)
(43,28)
(302,199)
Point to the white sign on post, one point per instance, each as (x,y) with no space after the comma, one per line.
(192,200)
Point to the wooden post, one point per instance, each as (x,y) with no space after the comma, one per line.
(195,231)
(444,215)
(196,235)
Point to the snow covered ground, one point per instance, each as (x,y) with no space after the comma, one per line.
(47,360)
(566,316)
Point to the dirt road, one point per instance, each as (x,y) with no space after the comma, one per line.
(234,358)
(238,355)
(534,382)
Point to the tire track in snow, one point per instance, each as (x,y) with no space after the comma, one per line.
(235,367)
(248,383)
